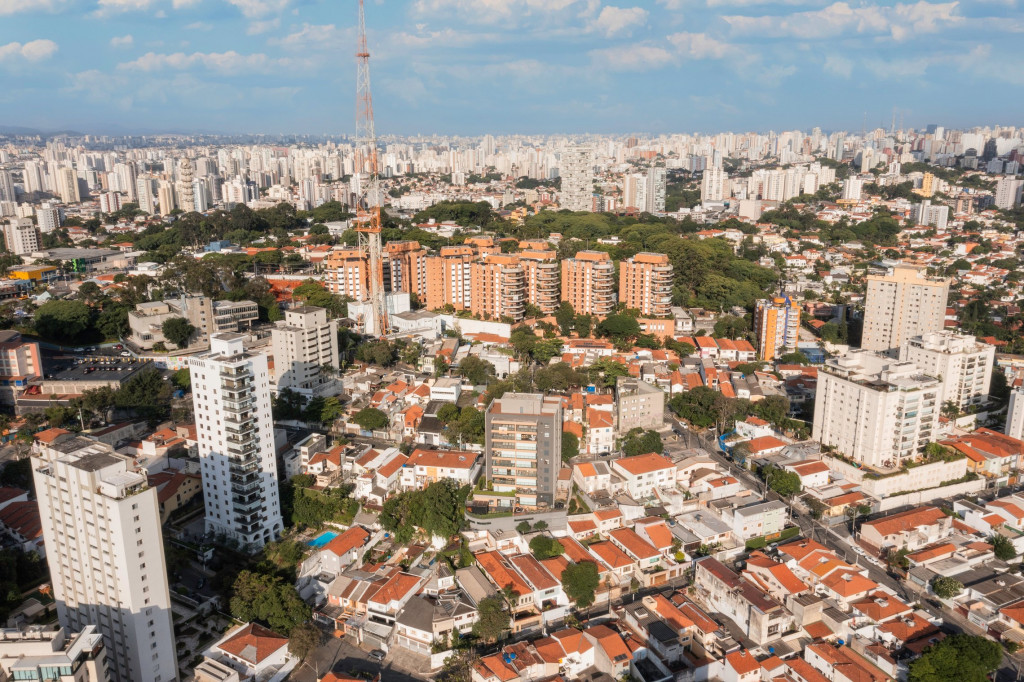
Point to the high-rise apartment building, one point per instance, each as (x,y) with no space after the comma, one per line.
(146,194)
(104,547)
(541,270)
(39,652)
(22,236)
(645,283)
(185,189)
(499,288)
(961,362)
(876,410)
(48,218)
(231,396)
(927,214)
(1015,415)
(303,343)
(6,186)
(523,446)
(777,326)
(67,186)
(449,280)
(110,202)
(852,188)
(656,186)
(901,304)
(33,177)
(588,283)
(165,197)
(1008,192)
(406,267)
(712,185)
(346,273)
(577,173)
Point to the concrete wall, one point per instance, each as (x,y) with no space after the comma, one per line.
(923,496)
(556,520)
(470,326)
(917,478)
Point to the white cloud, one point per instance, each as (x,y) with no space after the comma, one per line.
(15,6)
(838,66)
(184,4)
(257,27)
(122,41)
(259,8)
(672,5)
(840,18)
(614,20)
(309,36)
(447,38)
(638,57)
(701,46)
(494,11)
(114,6)
(230,62)
(33,51)
(199,26)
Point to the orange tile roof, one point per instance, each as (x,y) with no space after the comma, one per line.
(605,514)
(501,572)
(609,640)
(634,544)
(849,583)
(445,459)
(742,662)
(578,553)
(659,534)
(818,630)
(50,435)
(763,443)
(341,545)
(898,523)
(534,571)
(396,588)
(253,643)
(611,555)
(644,464)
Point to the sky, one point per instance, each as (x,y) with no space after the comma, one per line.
(470,67)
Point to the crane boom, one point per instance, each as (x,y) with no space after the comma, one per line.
(368,215)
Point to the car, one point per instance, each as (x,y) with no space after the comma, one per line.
(118,347)
(377,655)
(125,354)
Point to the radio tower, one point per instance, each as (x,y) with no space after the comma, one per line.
(368,222)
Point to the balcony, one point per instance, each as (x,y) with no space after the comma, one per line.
(229,385)
(236,373)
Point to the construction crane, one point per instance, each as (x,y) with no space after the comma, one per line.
(368,213)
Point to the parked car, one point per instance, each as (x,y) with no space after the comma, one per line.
(377,655)
(125,354)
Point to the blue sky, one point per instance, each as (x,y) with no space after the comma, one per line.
(509,66)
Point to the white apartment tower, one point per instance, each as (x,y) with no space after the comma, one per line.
(902,304)
(712,185)
(1015,415)
(231,396)
(876,410)
(101,526)
(6,186)
(961,362)
(22,236)
(577,173)
(67,186)
(656,187)
(303,343)
(1008,192)
(852,187)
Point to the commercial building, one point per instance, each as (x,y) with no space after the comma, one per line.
(303,343)
(22,236)
(588,283)
(777,325)
(205,314)
(876,410)
(523,446)
(963,364)
(577,173)
(638,404)
(101,526)
(645,283)
(901,304)
(41,652)
(231,396)
(498,288)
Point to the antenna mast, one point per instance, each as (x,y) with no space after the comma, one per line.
(368,216)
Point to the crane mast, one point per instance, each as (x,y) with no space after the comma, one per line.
(368,213)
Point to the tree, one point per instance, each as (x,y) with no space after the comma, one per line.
(545,547)
(440,366)
(182,378)
(796,358)
(524,527)
(62,320)
(178,331)
(448,413)
(1002,547)
(957,658)
(945,587)
(570,446)
(269,600)
(950,410)
(580,582)
(370,419)
(492,619)
(785,483)
(584,325)
(476,370)
(619,327)
(636,444)
(304,639)
(564,317)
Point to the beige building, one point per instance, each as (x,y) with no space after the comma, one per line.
(875,410)
(448,278)
(902,304)
(645,283)
(541,269)
(523,447)
(22,236)
(961,362)
(346,274)
(67,186)
(101,525)
(638,404)
(499,288)
(205,314)
(303,343)
(40,652)
(588,283)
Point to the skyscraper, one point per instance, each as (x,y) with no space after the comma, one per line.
(577,175)
(67,186)
(777,326)
(303,343)
(1015,415)
(712,185)
(1008,192)
(185,190)
(22,236)
(645,283)
(656,187)
(231,395)
(523,446)
(901,304)
(499,287)
(6,186)
(101,525)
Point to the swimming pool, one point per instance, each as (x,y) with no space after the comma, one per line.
(322,539)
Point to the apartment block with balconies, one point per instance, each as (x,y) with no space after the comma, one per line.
(499,288)
(523,446)
(645,283)
(588,283)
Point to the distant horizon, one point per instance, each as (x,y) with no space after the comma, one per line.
(465,67)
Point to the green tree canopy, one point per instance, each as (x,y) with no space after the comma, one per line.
(63,320)
(785,483)
(438,509)
(476,370)
(1002,547)
(570,446)
(370,419)
(957,658)
(268,600)
(945,587)
(545,547)
(580,582)
(178,331)
(492,619)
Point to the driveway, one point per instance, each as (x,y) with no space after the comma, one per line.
(346,658)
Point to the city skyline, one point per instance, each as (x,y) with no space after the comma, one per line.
(504,66)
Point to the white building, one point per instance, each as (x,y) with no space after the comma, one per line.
(22,236)
(231,395)
(101,525)
(963,364)
(927,214)
(1008,192)
(876,410)
(303,343)
(712,185)
(34,652)
(577,173)
(852,187)
(643,473)
(1015,415)
(901,304)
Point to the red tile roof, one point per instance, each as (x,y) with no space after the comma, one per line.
(253,643)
